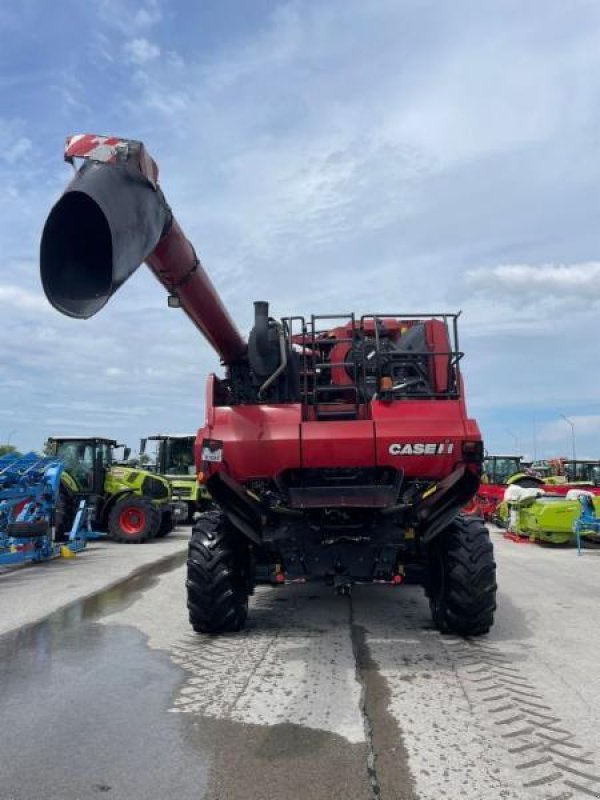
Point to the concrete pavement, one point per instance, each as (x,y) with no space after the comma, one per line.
(30,593)
(320,697)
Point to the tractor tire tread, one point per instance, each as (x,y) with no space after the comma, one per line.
(217,593)
(469,603)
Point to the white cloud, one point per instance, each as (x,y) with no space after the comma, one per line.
(546,280)
(557,434)
(140,50)
(147,15)
(19,298)
(17,149)
(123,16)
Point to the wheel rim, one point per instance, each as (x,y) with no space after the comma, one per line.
(132,520)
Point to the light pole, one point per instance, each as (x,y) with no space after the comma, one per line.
(510,433)
(572,424)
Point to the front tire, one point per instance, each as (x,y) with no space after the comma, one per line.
(218,576)
(462,587)
(133,520)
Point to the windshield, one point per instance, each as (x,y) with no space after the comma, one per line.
(180,456)
(78,458)
(582,471)
(499,470)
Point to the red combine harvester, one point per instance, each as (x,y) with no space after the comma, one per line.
(335,447)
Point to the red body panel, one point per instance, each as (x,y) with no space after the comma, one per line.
(338,444)
(407,421)
(260,441)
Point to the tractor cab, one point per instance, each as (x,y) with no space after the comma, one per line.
(174,454)
(86,461)
(498,469)
(584,471)
(174,460)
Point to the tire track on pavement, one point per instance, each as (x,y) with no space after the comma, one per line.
(544,752)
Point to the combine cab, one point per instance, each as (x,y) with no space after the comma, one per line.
(175,462)
(336,447)
(130,504)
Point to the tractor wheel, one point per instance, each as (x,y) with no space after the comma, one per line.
(166,524)
(133,520)
(64,515)
(218,576)
(462,586)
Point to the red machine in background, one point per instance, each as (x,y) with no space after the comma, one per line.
(336,447)
(556,477)
(499,472)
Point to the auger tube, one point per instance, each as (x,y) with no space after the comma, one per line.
(112,217)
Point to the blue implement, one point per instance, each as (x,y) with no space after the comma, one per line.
(29,487)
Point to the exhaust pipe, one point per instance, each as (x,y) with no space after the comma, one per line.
(111,218)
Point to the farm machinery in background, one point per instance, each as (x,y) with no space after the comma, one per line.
(532,514)
(131,505)
(560,510)
(554,478)
(499,472)
(338,447)
(29,488)
(174,460)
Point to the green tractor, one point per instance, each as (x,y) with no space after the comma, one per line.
(175,462)
(131,505)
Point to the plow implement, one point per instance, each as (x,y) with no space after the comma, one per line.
(29,488)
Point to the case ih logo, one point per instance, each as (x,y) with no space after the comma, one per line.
(421,449)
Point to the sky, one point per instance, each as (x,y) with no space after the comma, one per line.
(327,156)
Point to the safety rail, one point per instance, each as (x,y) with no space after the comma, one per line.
(340,373)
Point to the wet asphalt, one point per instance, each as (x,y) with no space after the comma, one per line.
(83,711)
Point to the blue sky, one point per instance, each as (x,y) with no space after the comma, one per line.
(328,156)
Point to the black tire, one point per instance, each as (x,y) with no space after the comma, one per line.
(191,510)
(166,524)
(64,515)
(218,576)
(133,520)
(462,586)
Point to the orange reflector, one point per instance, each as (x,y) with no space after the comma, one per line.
(397,579)
(200,477)
(280,577)
(385,384)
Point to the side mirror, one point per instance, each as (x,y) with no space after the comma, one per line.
(173,301)
(143,446)
(126,453)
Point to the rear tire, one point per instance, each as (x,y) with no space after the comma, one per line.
(133,520)
(218,576)
(462,587)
